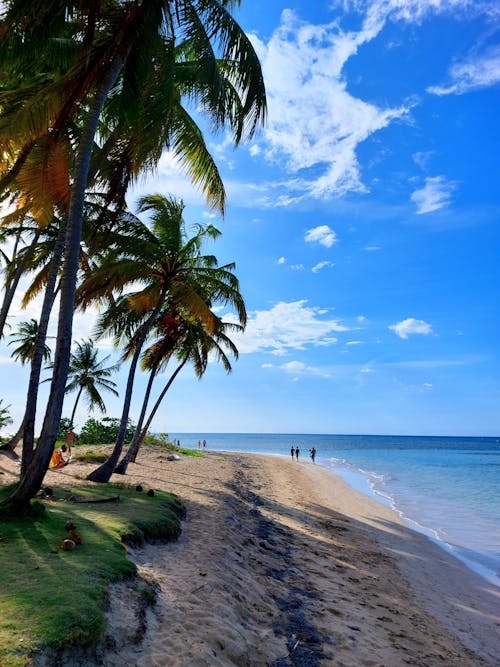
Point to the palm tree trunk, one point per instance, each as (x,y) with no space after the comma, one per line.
(26,431)
(121,468)
(72,418)
(32,480)
(136,444)
(104,471)
(38,355)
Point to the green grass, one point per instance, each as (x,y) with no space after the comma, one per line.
(51,597)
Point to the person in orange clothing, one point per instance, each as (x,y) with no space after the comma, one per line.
(58,460)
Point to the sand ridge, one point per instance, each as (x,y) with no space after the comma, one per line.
(280,563)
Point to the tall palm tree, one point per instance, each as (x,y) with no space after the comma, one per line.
(110,44)
(88,374)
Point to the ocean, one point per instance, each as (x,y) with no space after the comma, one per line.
(447,488)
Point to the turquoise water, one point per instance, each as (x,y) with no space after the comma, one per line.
(448,488)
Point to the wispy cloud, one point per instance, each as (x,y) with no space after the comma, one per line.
(321,265)
(411,326)
(299,369)
(322,234)
(435,194)
(288,326)
(478,71)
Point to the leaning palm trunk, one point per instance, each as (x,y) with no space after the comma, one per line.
(26,431)
(72,418)
(121,468)
(32,480)
(137,442)
(104,472)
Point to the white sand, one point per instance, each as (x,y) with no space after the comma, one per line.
(281,563)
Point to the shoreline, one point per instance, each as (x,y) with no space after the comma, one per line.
(490,575)
(284,564)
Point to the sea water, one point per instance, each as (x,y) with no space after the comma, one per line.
(448,488)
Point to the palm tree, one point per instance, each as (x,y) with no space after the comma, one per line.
(193,345)
(27,335)
(170,268)
(112,39)
(87,374)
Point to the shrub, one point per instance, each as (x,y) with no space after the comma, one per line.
(105,431)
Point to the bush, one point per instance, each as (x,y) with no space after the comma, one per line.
(104,432)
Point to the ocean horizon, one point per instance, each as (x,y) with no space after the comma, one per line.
(445,487)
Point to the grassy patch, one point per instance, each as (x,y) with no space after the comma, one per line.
(189,452)
(52,597)
(90,457)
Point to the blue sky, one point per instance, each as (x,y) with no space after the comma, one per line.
(364,223)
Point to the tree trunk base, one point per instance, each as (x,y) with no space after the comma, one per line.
(121,468)
(8,451)
(98,476)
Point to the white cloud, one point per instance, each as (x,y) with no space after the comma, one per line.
(411,326)
(354,342)
(322,234)
(297,267)
(254,150)
(372,248)
(435,194)
(321,265)
(302,65)
(422,158)
(281,260)
(298,369)
(414,11)
(287,326)
(477,72)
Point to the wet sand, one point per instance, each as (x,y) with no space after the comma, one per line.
(281,563)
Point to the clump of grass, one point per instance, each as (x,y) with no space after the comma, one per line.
(91,457)
(52,597)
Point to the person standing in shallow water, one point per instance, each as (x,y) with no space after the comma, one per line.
(292,452)
(297,451)
(313,453)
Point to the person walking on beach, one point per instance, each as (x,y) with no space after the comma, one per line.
(292,451)
(204,444)
(313,453)
(297,451)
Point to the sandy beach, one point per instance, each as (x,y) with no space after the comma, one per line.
(281,563)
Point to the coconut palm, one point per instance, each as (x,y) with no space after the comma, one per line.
(87,375)
(190,343)
(169,268)
(27,335)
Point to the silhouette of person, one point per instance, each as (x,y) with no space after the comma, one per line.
(297,451)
